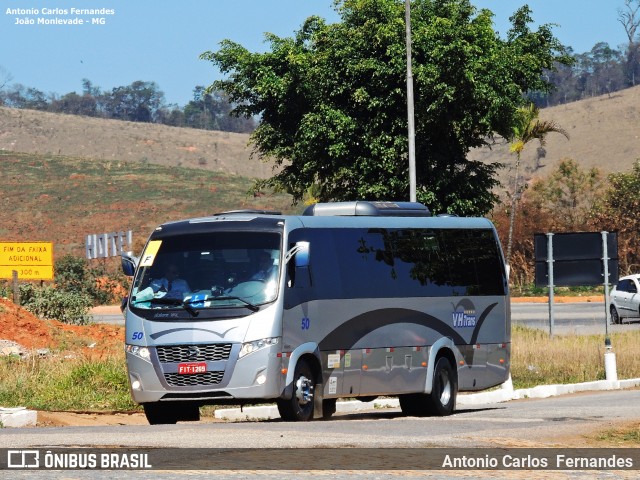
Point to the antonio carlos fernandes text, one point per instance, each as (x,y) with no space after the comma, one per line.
(533,462)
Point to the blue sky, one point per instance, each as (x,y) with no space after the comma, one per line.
(160,40)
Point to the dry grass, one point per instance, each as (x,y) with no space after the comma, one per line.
(44,133)
(603,133)
(537,359)
(62,199)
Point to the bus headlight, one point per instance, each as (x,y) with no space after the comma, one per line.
(256,345)
(138,351)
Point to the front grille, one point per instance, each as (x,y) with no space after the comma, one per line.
(194,353)
(208,378)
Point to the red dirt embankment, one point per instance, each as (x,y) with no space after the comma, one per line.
(30,332)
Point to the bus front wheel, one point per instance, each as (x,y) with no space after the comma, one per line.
(168,413)
(300,406)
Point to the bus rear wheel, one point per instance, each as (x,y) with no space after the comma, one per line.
(442,399)
(299,408)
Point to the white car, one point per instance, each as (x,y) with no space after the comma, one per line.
(625,298)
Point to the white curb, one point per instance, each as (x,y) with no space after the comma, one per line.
(17,417)
(483,398)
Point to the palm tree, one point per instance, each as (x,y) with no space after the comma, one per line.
(526,129)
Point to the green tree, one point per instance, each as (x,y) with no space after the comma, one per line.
(566,197)
(74,104)
(332,99)
(137,102)
(630,20)
(526,128)
(619,211)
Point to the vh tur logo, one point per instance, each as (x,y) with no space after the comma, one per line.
(464,314)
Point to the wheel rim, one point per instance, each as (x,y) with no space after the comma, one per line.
(304,390)
(445,387)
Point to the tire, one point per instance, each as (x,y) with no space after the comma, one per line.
(413,404)
(328,408)
(299,408)
(615,316)
(161,413)
(442,399)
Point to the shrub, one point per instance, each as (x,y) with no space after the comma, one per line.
(53,303)
(74,275)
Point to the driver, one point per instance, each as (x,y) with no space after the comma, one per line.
(266,267)
(171,284)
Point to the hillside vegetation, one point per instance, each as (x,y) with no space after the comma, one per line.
(31,131)
(604,133)
(77,175)
(62,199)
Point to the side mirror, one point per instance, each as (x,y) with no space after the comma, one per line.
(299,272)
(300,253)
(123,304)
(129,263)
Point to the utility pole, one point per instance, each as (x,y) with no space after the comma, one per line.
(410,115)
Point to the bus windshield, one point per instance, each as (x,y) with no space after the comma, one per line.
(208,270)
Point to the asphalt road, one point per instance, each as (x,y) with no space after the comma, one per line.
(530,422)
(561,422)
(578,318)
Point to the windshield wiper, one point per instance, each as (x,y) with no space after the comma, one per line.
(186,304)
(249,305)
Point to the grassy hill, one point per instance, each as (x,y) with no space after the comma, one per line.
(604,133)
(63,199)
(30,131)
(76,175)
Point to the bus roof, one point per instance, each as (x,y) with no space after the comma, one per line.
(360,214)
(364,208)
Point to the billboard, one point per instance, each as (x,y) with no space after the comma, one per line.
(577,259)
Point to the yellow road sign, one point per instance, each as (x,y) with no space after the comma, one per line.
(38,272)
(32,260)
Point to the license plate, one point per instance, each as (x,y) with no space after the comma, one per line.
(189,368)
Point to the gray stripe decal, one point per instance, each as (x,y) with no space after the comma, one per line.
(157,335)
(347,334)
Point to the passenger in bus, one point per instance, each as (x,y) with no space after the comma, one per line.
(266,268)
(171,285)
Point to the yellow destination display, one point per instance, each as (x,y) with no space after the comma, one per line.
(32,260)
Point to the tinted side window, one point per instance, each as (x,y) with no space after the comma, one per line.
(623,286)
(475,262)
(418,262)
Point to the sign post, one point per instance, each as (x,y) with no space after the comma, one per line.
(15,287)
(605,266)
(576,259)
(551,292)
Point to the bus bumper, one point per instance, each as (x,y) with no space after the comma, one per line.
(255,376)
